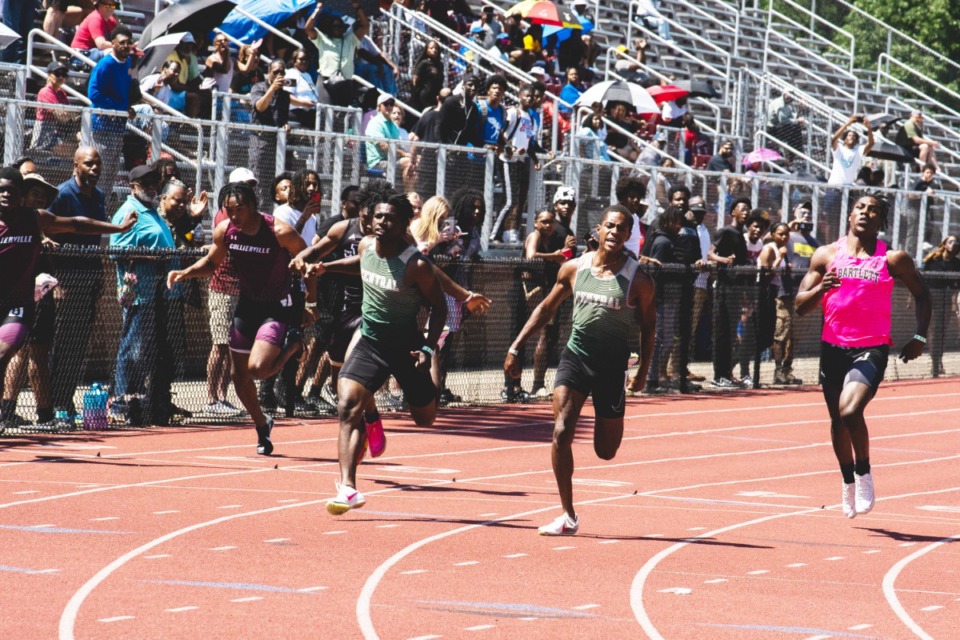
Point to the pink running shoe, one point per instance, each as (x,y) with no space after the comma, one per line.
(376,438)
(347,498)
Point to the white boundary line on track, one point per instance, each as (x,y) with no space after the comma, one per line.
(636,589)
(890,593)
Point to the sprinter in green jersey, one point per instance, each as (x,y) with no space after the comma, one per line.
(609,296)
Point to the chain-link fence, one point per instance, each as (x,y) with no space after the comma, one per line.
(150,347)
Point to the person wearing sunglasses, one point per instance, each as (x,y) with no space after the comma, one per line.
(53,124)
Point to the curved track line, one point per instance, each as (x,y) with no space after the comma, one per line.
(890,593)
(636,589)
(68,618)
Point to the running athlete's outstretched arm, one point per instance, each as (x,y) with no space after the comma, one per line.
(901,266)
(206,265)
(642,297)
(817,281)
(319,250)
(476,302)
(348,266)
(424,278)
(51,224)
(562,290)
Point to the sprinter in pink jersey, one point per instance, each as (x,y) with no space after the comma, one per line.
(853,279)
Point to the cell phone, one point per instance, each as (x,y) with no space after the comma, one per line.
(450,225)
(316,198)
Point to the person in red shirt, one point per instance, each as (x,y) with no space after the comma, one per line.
(52,128)
(93,35)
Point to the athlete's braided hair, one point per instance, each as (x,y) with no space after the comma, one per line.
(243,192)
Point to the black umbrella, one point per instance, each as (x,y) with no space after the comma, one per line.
(699,88)
(888,151)
(881,120)
(187,15)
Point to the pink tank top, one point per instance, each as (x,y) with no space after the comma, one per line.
(857,313)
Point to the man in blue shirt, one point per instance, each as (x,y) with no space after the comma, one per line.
(140,289)
(81,280)
(112,87)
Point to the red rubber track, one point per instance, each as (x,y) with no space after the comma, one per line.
(719,518)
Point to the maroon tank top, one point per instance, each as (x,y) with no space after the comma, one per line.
(19,254)
(224,279)
(261,263)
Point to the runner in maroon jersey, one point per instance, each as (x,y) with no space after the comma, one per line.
(21,230)
(264,335)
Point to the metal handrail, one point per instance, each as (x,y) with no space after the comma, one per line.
(810,31)
(891,31)
(908,69)
(725,75)
(768,51)
(763,135)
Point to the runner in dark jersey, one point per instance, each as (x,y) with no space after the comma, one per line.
(397,281)
(21,232)
(609,295)
(263,335)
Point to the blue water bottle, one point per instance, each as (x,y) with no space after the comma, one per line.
(90,407)
(102,398)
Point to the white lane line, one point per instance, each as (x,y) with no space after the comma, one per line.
(563,548)
(466,563)
(24,493)
(608,542)
(333,533)
(163,513)
(528,619)
(932,607)
(230,506)
(223,548)
(584,607)
(43,526)
(487,515)
(697,529)
(275,540)
(157,556)
(104,519)
(248,599)
(412,572)
(819,637)
(758,572)
(797,565)
(181,609)
(907,544)
(833,558)
(479,627)
(115,619)
(311,589)
(869,551)
(515,555)
(652,535)
(715,581)
(287,501)
(387,526)
(859,627)
(430,637)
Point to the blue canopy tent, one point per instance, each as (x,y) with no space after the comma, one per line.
(273,12)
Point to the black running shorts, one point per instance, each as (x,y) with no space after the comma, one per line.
(343,329)
(605,384)
(371,363)
(842,365)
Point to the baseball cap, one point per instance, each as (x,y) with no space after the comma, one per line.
(142,172)
(242,174)
(384,98)
(55,66)
(538,71)
(803,210)
(697,204)
(188,39)
(564,194)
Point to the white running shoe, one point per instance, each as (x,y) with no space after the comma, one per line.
(849,499)
(562,526)
(347,498)
(865,496)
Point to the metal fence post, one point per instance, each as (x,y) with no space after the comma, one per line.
(220,159)
(488,199)
(441,169)
(336,183)
(86,128)
(13,140)
(281,157)
(392,162)
(922,227)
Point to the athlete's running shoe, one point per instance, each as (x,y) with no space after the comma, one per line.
(850,500)
(347,498)
(724,383)
(865,497)
(562,526)
(376,438)
(264,446)
(329,395)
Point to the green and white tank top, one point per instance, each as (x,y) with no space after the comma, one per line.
(602,317)
(390,305)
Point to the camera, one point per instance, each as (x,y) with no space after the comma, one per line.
(289,82)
